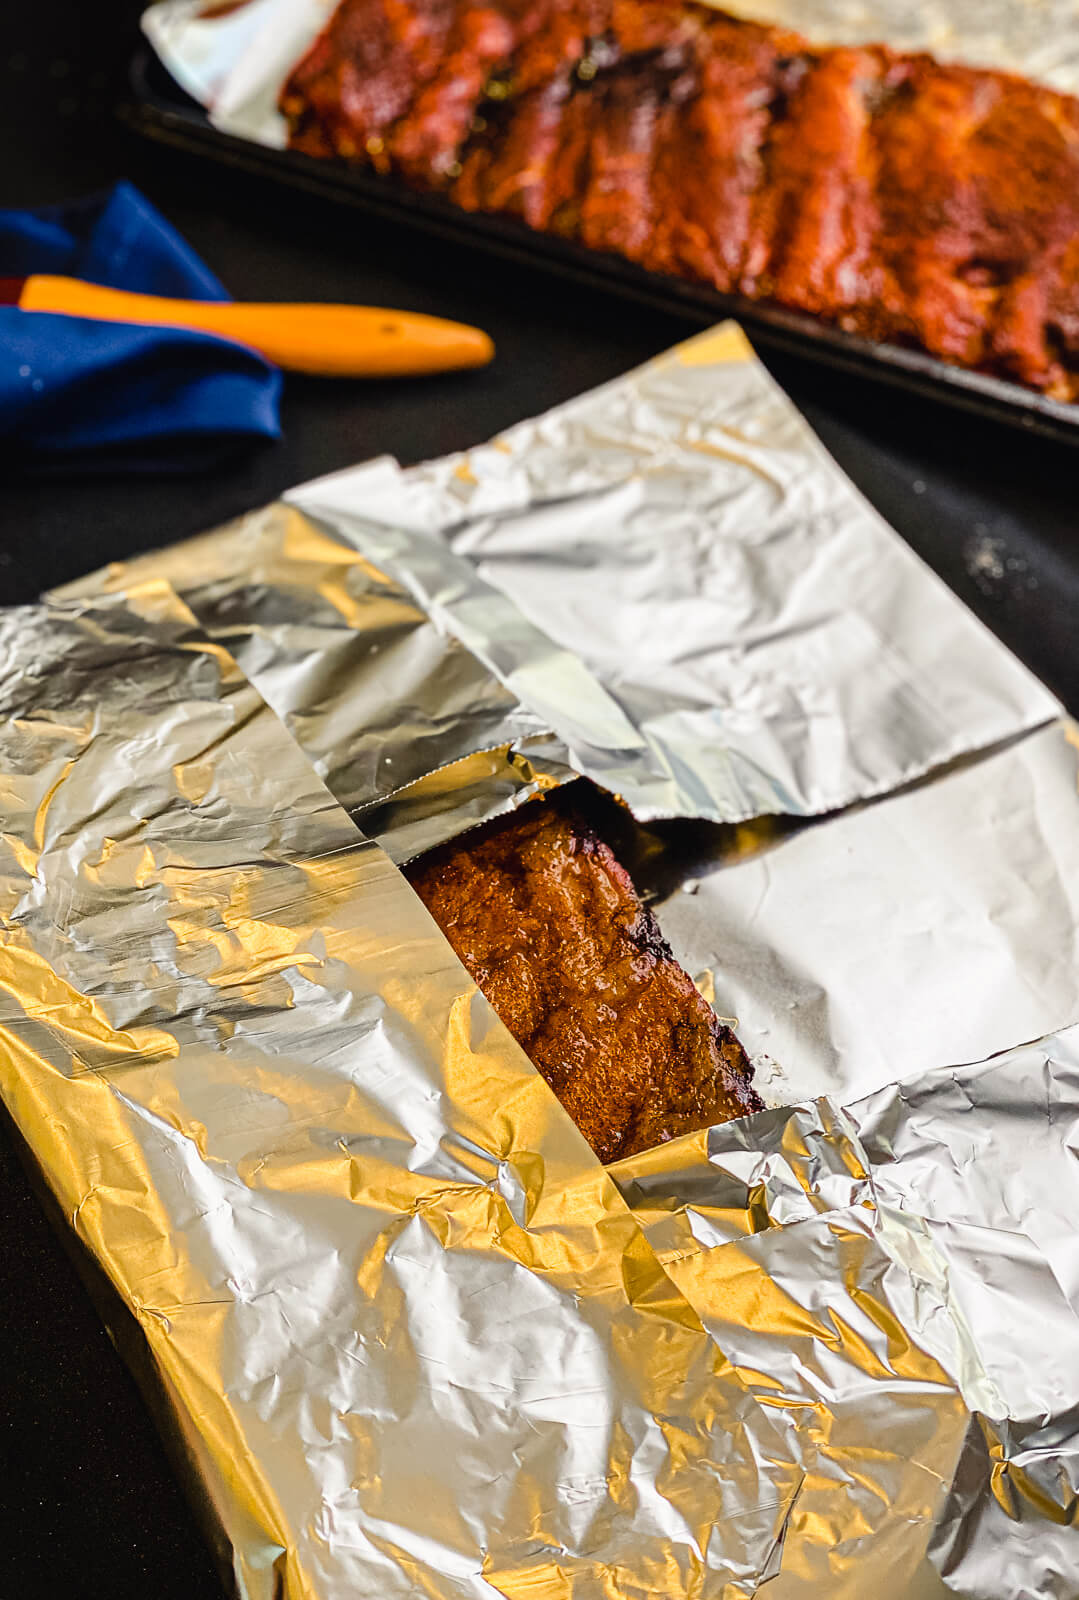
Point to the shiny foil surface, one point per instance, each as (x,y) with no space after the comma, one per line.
(669,574)
(938,925)
(409,730)
(939,1218)
(666,585)
(372,689)
(967,880)
(414,1338)
(679,581)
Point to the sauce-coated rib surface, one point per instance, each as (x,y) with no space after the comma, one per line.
(928,205)
(549,924)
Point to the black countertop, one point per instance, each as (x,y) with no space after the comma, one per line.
(91,1509)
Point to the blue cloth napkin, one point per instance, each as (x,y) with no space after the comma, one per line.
(78,394)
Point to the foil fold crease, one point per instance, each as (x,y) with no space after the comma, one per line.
(668,578)
(953,1195)
(675,577)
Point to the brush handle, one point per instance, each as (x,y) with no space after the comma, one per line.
(330,340)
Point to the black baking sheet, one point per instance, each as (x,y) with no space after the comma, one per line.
(162,110)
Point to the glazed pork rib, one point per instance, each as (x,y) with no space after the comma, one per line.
(549,924)
(907,201)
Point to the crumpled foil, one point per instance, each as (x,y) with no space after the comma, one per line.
(235,60)
(676,577)
(412,1338)
(669,573)
(965,879)
(945,1205)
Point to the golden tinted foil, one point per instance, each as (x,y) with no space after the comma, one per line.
(669,575)
(412,1338)
(411,733)
(371,688)
(892,1280)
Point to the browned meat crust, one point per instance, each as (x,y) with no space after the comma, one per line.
(928,205)
(550,926)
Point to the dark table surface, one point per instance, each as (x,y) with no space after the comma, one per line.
(90,1508)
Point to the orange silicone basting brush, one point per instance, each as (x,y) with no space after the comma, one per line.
(328,340)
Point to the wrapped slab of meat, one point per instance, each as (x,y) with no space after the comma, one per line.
(548,923)
(904,200)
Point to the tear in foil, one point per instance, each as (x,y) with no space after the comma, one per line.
(676,578)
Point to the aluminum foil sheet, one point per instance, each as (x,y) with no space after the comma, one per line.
(937,925)
(934,925)
(235,60)
(360,1237)
(946,1206)
(677,579)
(412,1339)
(669,575)
(375,692)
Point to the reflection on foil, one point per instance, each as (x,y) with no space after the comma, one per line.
(475,789)
(940,924)
(376,694)
(862,1265)
(676,578)
(412,1338)
(669,575)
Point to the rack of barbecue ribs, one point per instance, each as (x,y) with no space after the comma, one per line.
(908,202)
(549,924)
